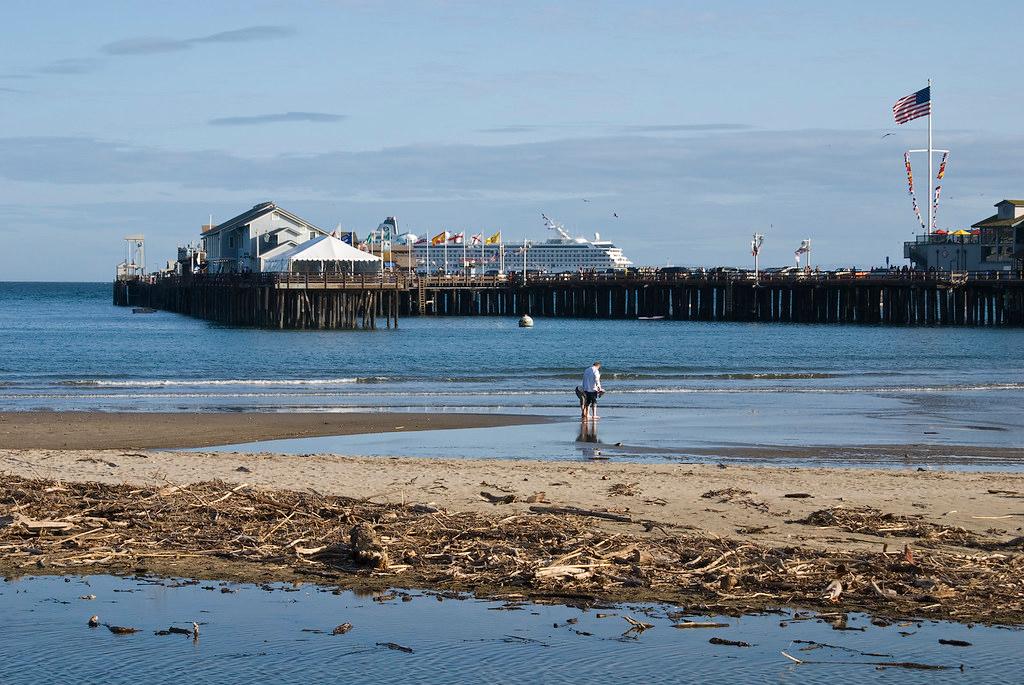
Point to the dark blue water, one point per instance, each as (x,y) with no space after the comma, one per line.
(253,635)
(63,346)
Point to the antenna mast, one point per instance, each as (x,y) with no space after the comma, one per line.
(555,226)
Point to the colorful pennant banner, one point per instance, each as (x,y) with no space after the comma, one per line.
(936,193)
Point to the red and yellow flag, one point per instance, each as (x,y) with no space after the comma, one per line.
(494,239)
(439,238)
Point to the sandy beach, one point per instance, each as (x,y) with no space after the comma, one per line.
(124,430)
(833,519)
(754,498)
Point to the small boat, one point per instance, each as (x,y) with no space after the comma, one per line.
(526,321)
(143,310)
(650,318)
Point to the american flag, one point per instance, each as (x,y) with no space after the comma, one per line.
(911,107)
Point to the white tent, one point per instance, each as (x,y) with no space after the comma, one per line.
(323,254)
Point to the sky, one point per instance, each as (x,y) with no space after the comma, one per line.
(697,123)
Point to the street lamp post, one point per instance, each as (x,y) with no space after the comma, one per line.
(755,250)
(804,249)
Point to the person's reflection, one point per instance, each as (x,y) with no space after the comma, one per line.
(587,439)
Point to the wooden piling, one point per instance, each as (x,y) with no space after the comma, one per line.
(322,302)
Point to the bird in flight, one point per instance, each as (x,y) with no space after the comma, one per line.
(888,134)
(586,200)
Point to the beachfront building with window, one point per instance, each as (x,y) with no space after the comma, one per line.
(244,243)
(1001,236)
(992,244)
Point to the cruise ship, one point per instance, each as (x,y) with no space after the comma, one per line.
(490,254)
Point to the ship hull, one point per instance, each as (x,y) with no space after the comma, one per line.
(553,256)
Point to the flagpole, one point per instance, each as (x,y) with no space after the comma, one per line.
(931,203)
(524,261)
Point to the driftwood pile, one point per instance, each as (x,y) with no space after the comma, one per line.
(548,551)
(870,521)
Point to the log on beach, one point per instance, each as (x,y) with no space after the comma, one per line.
(366,547)
(577,511)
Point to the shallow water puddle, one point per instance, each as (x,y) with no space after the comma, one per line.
(625,435)
(288,634)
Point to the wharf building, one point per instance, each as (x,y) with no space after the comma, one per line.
(245,243)
(992,244)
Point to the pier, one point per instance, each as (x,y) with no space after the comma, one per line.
(292,301)
(301,301)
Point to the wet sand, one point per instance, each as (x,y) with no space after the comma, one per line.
(103,430)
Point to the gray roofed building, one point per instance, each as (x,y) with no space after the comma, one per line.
(1009,213)
(242,243)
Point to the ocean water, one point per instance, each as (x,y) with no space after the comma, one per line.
(671,385)
(282,634)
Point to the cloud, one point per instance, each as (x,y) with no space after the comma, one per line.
(795,165)
(526,128)
(149,45)
(70,65)
(283,117)
(669,128)
(689,199)
(632,129)
(144,46)
(247,34)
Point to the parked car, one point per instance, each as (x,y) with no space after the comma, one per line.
(725,271)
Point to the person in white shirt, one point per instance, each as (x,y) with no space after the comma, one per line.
(591,390)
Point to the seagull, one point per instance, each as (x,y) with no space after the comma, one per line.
(586,200)
(888,134)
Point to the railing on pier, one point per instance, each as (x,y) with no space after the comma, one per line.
(406,281)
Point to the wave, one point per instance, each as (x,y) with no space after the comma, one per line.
(875,390)
(724,376)
(269,382)
(529,375)
(769,376)
(430,379)
(525,392)
(92,383)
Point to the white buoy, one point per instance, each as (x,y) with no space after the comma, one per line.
(526,321)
